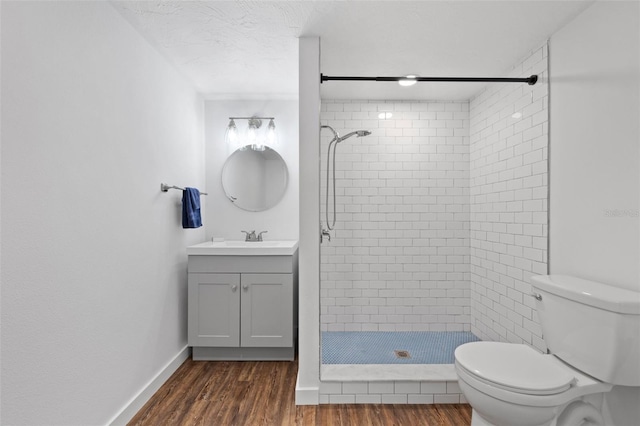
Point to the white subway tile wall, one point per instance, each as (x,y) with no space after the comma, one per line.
(398,259)
(391,392)
(509,137)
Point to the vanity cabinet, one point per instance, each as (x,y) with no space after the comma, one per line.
(242,307)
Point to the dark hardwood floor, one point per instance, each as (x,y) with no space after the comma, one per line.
(263,393)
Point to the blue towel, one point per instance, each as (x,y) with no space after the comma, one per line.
(191,208)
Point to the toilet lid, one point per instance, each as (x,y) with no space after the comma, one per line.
(514,367)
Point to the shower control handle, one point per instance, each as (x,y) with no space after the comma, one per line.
(325,233)
(536,296)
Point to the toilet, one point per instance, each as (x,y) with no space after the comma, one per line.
(592,331)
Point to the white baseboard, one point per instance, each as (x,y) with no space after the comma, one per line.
(138,401)
(307,395)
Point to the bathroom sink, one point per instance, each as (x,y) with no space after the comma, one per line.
(244,248)
(253,244)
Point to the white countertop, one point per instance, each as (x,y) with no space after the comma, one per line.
(244,248)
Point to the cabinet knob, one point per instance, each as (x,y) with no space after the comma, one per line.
(234,287)
(245,286)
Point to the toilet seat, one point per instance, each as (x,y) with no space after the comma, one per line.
(514,367)
(519,383)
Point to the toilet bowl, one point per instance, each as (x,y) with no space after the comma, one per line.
(514,385)
(591,330)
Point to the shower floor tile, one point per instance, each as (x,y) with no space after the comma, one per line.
(380,347)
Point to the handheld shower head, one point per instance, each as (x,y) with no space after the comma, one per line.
(359,133)
(335,141)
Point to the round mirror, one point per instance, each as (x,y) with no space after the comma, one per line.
(254,180)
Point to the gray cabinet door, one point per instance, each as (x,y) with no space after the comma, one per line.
(214,310)
(267,310)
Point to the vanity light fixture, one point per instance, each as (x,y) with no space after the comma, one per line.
(385,115)
(255,136)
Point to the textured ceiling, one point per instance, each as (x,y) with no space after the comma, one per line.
(245,49)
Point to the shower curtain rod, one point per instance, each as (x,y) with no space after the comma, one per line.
(531,80)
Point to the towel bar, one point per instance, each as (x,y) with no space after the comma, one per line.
(164,188)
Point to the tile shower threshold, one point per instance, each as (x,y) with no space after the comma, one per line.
(387,372)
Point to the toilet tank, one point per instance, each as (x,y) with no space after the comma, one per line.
(592,326)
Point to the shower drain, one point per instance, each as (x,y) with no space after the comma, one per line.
(402,354)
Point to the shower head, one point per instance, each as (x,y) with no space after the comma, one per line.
(337,138)
(358,133)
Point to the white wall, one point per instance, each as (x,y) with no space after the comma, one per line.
(595,136)
(509,203)
(308,381)
(223,219)
(93,254)
(594,157)
(398,259)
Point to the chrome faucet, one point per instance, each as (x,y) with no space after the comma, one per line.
(251,236)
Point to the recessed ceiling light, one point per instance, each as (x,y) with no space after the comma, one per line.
(408,80)
(385,115)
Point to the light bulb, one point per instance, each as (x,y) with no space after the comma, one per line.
(408,80)
(252,138)
(272,137)
(252,133)
(232,135)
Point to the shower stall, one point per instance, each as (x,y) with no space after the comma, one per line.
(441,218)
(395,253)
